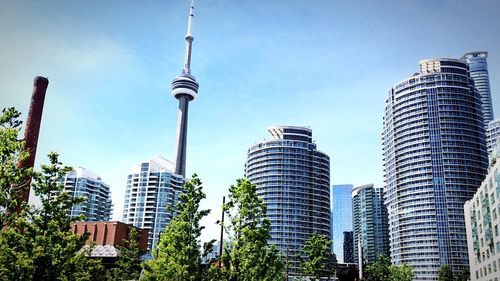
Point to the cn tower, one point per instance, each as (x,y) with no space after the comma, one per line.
(184,89)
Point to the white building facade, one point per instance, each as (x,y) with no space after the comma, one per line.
(482,221)
(151,194)
(493,136)
(97,206)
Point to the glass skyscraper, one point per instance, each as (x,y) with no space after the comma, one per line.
(435,158)
(82,182)
(370,223)
(348,247)
(493,137)
(152,187)
(478,67)
(341,217)
(293,179)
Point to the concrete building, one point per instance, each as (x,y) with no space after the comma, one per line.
(348,249)
(478,68)
(82,182)
(369,223)
(152,188)
(434,151)
(482,221)
(341,218)
(184,89)
(493,137)
(293,179)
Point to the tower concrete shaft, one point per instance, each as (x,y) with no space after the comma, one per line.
(184,89)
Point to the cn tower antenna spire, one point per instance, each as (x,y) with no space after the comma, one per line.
(189,41)
(184,89)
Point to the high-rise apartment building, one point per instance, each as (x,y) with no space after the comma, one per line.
(478,68)
(293,179)
(482,221)
(493,137)
(370,225)
(82,182)
(435,157)
(152,188)
(341,217)
(348,248)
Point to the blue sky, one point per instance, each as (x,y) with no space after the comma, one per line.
(323,64)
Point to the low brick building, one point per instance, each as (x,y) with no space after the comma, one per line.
(109,233)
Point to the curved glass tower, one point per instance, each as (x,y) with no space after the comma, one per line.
(293,179)
(478,67)
(435,157)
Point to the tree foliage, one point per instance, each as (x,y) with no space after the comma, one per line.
(446,274)
(12,178)
(379,270)
(401,273)
(464,275)
(177,256)
(320,260)
(248,256)
(382,270)
(36,242)
(128,265)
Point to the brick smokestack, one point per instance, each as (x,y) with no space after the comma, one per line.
(33,128)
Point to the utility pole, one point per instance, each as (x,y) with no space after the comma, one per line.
(221,231)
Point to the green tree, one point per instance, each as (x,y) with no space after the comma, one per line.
(38,244)
(248,256)
(464,275)
(177,256)
(128,265)
(445,273)
(382,270)
(12,178)
(379,270)
(401,273)
(320,260)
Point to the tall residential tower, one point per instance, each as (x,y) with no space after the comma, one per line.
(370,223)
(184,89)
(152,188)
(478,67)
(434,153)
(82,182)
(293,179)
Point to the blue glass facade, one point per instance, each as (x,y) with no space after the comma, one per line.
(341,217)
(152,188)
(370,223)
(348,247)
(293,179)
(478,67)
(434,159)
